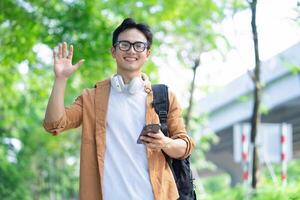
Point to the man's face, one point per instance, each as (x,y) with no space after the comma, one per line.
(130,60)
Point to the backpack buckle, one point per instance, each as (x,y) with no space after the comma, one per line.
(162,114)
(164,128)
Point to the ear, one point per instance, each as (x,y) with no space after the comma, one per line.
(113,52)
(148,53)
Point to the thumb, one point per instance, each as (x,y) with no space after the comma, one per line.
(77,65)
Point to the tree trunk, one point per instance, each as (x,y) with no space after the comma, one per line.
(255,121)
(188,115)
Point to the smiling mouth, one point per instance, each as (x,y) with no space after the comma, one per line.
(130,59)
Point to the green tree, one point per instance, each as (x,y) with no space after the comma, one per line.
(47,167)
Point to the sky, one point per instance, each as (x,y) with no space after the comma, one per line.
(277,31)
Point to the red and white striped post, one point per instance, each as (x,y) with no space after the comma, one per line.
(245,143)
(283,140)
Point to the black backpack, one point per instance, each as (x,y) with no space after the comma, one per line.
(180,168)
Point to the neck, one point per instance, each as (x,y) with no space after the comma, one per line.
(128,76)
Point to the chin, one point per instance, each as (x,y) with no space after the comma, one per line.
(130,68)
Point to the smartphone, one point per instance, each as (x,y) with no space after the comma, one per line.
(147,129)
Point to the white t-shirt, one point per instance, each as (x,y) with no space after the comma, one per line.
(126,173)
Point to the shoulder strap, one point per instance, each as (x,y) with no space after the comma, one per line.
(161,105)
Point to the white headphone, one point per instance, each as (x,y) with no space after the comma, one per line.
(134,85)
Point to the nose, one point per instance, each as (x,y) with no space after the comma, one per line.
(131,49)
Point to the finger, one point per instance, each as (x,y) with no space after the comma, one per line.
(77,65)
(54,56)
(146,139)
(64,47)
(60,51)
(154,135)
(70,55)
(151,146)
(150,140)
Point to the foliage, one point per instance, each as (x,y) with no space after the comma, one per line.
(217,189)
(47,167)
(203,142)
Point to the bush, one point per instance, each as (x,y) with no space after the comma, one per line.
(217,188)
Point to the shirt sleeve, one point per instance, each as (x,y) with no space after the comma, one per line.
(72,118)
(176,126)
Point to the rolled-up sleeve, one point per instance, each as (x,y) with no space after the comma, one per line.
(176,125)
(72,118)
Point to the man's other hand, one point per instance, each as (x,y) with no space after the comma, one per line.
(63,67)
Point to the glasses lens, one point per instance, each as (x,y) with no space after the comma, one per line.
(124,45)
(139,46)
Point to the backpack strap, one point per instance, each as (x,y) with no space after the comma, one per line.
(180,168)
(161,105)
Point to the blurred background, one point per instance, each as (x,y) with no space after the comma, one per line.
(203,49)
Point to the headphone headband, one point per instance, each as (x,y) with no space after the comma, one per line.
(134,85)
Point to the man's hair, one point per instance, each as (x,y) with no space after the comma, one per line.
(129,23)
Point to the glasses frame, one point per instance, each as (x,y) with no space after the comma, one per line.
(132,45)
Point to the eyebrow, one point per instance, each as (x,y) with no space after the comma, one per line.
(132,42)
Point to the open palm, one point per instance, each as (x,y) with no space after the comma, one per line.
(63,67)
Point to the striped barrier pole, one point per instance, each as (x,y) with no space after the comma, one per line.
(245,142)
(283,153)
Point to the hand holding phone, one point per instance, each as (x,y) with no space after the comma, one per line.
(154,128)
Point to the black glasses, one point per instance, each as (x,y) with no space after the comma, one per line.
(125,45)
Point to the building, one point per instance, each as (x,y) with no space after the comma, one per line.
(233,104)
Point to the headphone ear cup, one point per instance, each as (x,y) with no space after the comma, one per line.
(121,82)
(117,83)
(135,84)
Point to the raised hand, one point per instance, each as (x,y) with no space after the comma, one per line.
(63,67)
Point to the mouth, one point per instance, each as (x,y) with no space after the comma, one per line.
(130,59)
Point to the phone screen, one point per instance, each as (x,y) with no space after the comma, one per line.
(147,129)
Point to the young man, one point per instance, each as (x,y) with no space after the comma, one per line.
(113,165)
